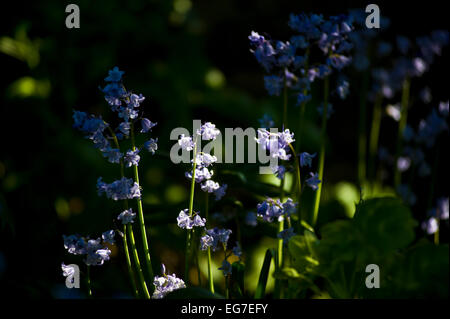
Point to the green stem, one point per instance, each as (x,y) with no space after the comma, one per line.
(129,266)
(210,273)
(279,263)
(436,234)
(129,229)
(322,152)
(88,275)
(191,207)
(374,136)
(401,128)
(141,214)
(299,185)
(136,260)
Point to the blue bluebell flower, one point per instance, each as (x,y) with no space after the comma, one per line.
(226,268)
(151,145)
(124,128)
(286,234)
(108,237)
(313,181)
(96,254)
(279,171)
(237,251)
(75,244)
(132,158)
(185,221)
(250,219)
(266,122)
(289,207)
(219,236)
(306,159)
(270,210)
(220,192)
(124,188)
(114,75)
(147,125)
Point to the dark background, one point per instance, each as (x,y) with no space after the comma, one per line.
(48,171)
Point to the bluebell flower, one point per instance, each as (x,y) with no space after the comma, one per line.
(443,109)
(124,188)
(403,163)
(226,268)
(219,236)
(151,145)
(250,219)
(302,98)
(237,251)
(96,254)
(206,241)
(286,234)
(132,158)
(339,61)
(124,128)
(75,244)
(185,221)
(201,174)
(220,192)
(289,207)
(269,210)
(113,155)
(313,181)
(114,75)
(394,111)
(165,284)
(266,122)
(147,125)
(279,171)
(404,191)
(273,84)
(186,142)
(108,237)
(79,118)
(205,160)
(127,216)
(198,221)
(430,226)
(306,159)
(442,208)
(68,271)
(342,88)
(210,186)
(255,39)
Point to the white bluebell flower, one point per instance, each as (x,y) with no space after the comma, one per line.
(206,241)
(166,284)
(124,188)
(210,186)
(186,142)
(430,226)
(127,216)
(208,131)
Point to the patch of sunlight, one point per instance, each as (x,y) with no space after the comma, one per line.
(214,79)
(62,208)
(273,180)
(29,87)
(175,194)
(257,258)
(151,199)
(373,190)
(348,195)
(21,47)
(182,6)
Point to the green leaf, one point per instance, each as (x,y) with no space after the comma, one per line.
(264,274)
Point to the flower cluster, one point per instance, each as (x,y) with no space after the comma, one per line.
(441,212)
(166,283)
(271,209)
(124,188)
(203,161)
(185,221)
(290,62)
(95,250)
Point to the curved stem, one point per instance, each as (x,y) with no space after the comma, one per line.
(322,152)
(141,214)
